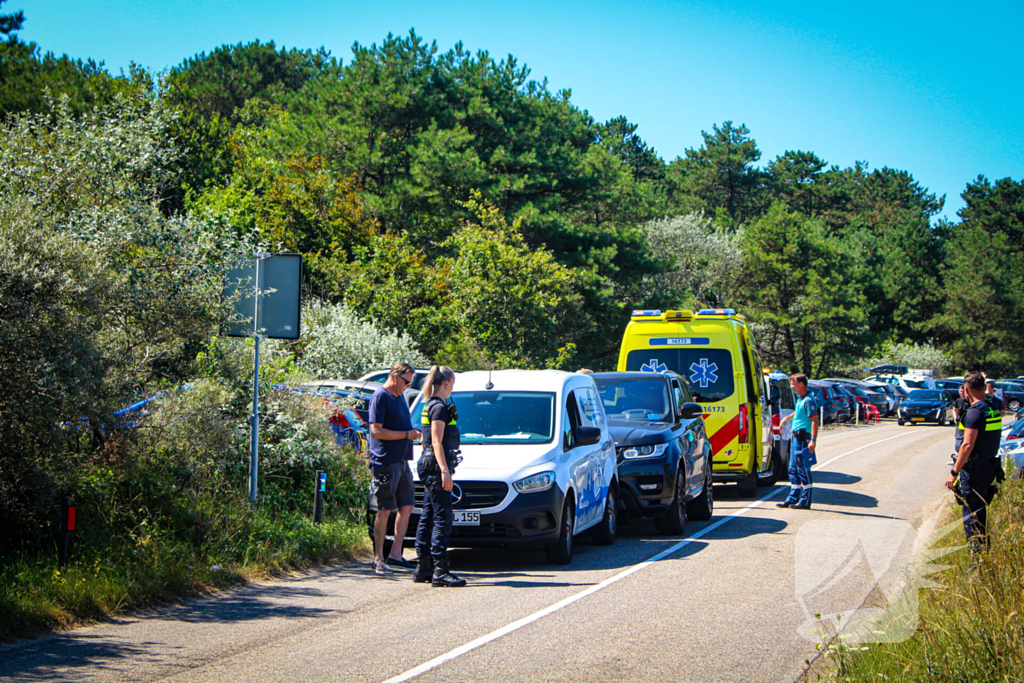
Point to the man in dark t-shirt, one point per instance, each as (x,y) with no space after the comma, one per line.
(391,437)
(975,462)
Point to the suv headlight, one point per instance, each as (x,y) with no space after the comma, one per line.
(535,483)
(647,451)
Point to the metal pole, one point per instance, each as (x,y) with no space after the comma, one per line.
(255,440)
(318,496)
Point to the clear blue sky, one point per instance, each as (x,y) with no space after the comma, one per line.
(931,88)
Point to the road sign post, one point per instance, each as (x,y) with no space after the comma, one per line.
(270,292)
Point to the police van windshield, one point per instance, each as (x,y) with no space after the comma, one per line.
(924,395)
(505,416)
(639,398)
(708,372)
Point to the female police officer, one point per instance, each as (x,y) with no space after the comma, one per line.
(435,468)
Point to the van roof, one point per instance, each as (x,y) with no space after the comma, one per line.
(514,380)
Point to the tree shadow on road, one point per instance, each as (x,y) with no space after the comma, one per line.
(58,657)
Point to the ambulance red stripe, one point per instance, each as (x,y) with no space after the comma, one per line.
(720,439)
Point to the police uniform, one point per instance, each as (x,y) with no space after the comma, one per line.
(436,520)
(978,474)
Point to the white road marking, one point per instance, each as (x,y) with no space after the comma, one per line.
(525,621)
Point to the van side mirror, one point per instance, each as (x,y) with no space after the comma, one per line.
(688,411)
(586,436)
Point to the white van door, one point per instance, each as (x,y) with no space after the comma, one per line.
(583,408)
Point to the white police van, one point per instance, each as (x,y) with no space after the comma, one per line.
(538,462)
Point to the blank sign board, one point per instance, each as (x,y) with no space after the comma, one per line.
(280,300)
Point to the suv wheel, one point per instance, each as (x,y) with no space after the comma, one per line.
(604,533)
(702,507)
(561,551)
(673,522)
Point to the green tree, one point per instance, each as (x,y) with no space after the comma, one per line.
(517,303)
(797,292)
(982,323)
(719,178)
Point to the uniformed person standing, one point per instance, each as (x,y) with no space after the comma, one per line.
(975,463)
(441,443)
(802,446)
(995,403)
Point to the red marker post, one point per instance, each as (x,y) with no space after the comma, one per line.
(67,525)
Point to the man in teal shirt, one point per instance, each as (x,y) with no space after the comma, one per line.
(801,449)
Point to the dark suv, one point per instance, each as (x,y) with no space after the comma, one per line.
(833,406)
(662,451)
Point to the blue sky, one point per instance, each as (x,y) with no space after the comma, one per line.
(931,88)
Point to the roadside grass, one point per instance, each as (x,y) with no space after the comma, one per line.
(110,579)
(971,628)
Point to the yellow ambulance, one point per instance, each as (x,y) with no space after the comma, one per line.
(715,352)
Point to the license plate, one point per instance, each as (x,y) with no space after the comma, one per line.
(917,419)
(465,518)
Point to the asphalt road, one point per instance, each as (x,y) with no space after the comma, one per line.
(720,604)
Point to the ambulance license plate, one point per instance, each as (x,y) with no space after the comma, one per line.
(917,419)
(465,518)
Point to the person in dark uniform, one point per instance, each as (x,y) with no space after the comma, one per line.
(960,408)
(436,467)
(975,463)
(993,397)
(995,403)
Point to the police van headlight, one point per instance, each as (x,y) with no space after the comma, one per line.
(535,483)
(647,451)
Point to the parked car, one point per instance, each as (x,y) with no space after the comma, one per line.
(1013,395)
(349,428)
(907,381)
(890,393)
(852,406)
(829,406)
(926,405)
(1013,459)
(1012,432)
(864,393)
(950,386)
(538,464)
(380,376)
(662,451)
(357,397)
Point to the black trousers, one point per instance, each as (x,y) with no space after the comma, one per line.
(975,494)
(436,521)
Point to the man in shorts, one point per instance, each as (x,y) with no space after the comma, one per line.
(391,437)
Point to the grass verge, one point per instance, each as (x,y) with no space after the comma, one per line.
(971,628)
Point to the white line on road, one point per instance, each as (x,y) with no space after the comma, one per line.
(516,625)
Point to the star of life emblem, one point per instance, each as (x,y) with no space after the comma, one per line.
(704,374)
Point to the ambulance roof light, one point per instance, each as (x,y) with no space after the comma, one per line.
(717,311)
(638,313)
(679,315)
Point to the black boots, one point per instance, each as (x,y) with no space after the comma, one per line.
(424,568)
(445,579)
